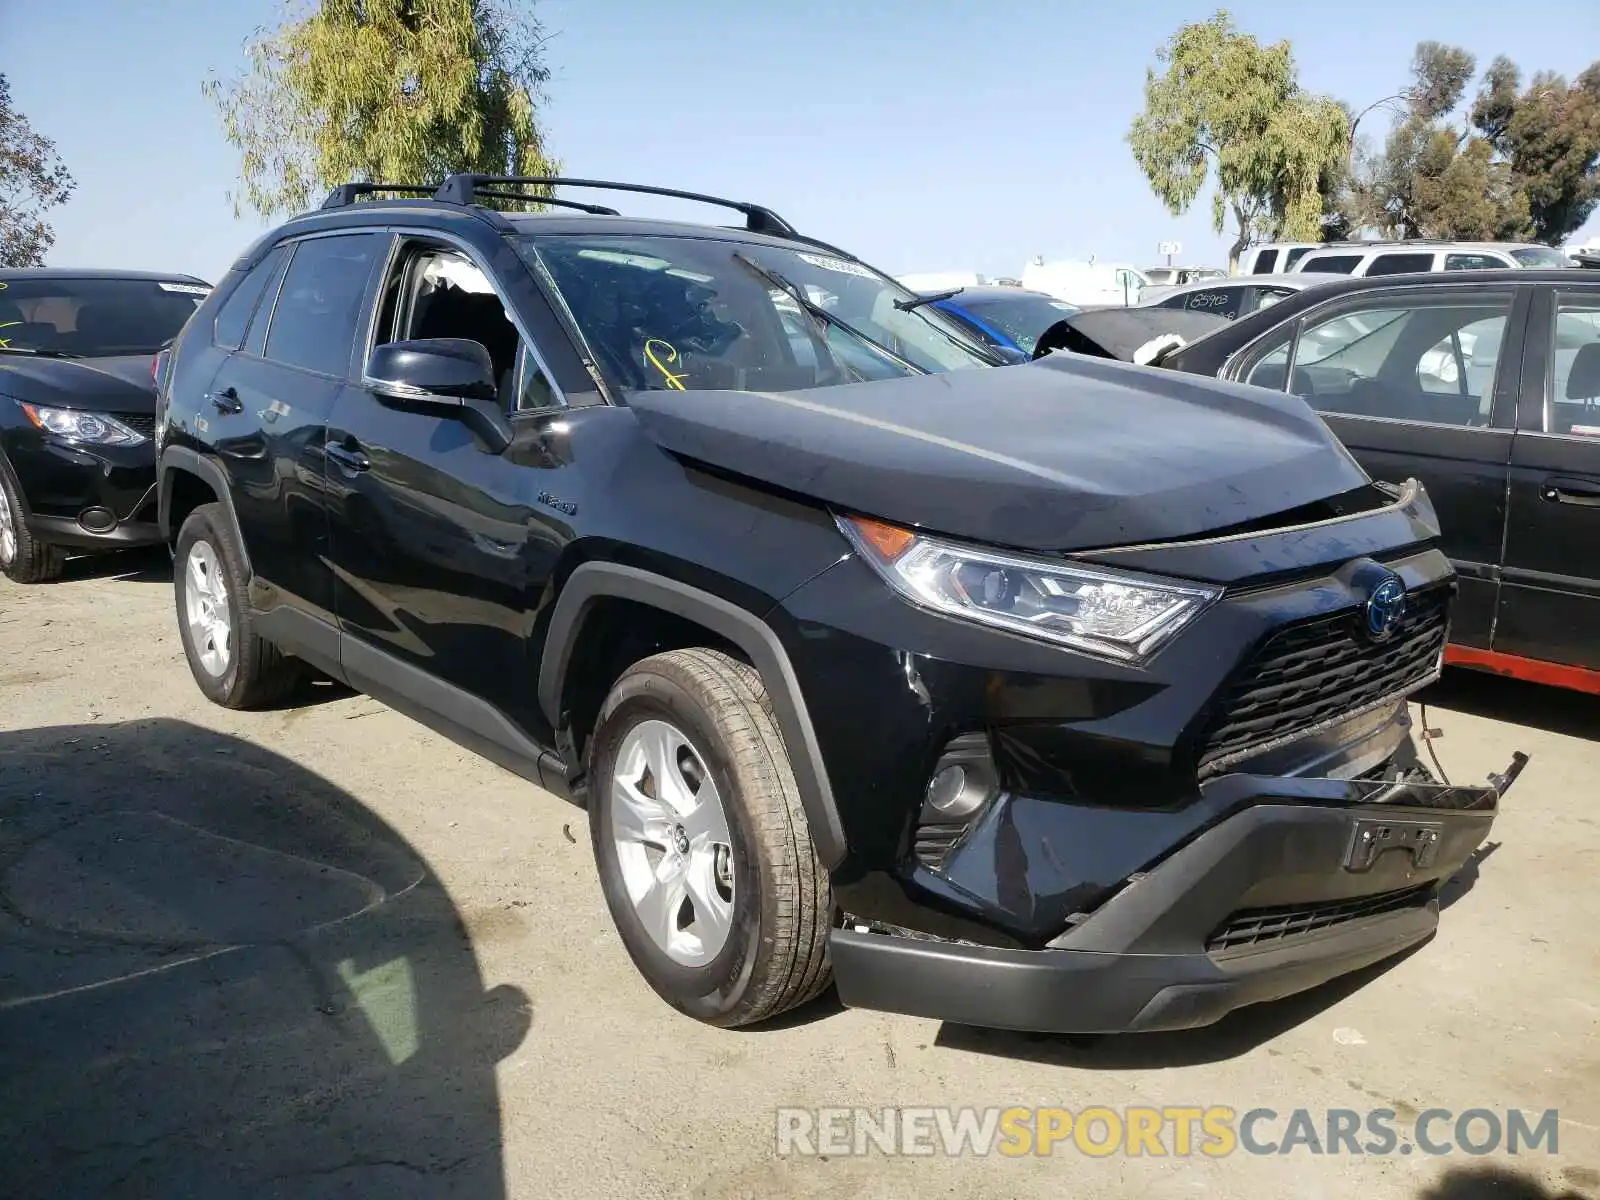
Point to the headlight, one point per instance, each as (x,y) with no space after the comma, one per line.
(85,428)
(1106,613)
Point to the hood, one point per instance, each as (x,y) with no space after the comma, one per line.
(1119,333)
(120,384)
(1066,453)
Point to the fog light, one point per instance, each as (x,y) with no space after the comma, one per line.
(948,793)
(98,520)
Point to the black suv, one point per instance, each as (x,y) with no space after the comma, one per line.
(78,352)
(1062,696)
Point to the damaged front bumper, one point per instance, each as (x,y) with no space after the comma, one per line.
(1308,879)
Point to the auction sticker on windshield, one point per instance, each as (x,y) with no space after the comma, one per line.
(836,264)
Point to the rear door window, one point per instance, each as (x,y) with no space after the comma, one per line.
(1332,264)
(314,321)
(1400,264)
(1426,358)
(1266,260)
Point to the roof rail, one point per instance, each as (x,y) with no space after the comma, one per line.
(464,189)
(347,194)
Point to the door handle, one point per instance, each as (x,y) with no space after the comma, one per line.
(348,459)
(1584,492)
(226,401)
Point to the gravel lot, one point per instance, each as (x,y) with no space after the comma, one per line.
(322,951)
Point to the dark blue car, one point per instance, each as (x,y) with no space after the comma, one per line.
(1010,319)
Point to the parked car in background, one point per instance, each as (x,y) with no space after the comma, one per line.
(77,410)
(1234,296)
(1406,258)
(1163,280)
(941,281)
(1485,385)
(1006,318)
(1086,284)
(1272,258)
(1011,698)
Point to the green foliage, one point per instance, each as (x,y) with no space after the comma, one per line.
(404,91)
(1230,110)
(1529,170)
(32,180)
(1549,138)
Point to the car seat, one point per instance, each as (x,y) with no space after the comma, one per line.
(1581,404)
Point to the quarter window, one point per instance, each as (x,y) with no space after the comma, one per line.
(1473,262)
(237,309)
(1265,261)
(314,322)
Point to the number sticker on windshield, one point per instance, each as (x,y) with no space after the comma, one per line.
(664,362)
(188,289)
(836,264)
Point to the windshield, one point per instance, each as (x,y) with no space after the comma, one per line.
(1023,318)
(94,318)
(1540,256)
(700,314)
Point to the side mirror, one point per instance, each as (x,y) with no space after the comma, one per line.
(442,370)
(452,375)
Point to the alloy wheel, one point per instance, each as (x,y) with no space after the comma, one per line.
(205,603)
(672,841)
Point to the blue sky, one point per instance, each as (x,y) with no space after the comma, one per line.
(924,136)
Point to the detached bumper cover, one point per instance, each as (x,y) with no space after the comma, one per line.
(1320,878)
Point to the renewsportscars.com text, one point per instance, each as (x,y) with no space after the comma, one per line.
(1211,1131)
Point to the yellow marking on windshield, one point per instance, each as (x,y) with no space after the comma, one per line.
(5,343)
(673,381)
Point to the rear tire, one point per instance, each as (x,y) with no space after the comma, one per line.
(750,940)
(232,664)
(23,557)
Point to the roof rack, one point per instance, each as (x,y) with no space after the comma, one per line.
(464,189)
(347,194)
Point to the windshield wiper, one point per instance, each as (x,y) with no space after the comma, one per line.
(819,314)
(5,349)
(916,302)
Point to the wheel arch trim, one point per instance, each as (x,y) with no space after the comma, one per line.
(594,581)
(181,458)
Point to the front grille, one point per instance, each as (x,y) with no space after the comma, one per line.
(1251,926)
(1308,675)
(141,423)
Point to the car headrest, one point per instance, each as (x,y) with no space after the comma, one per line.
(1584,381)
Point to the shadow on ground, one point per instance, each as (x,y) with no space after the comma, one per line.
(1552,709)
(1498,1183)
(147,564)
(222,976)
(1237,1033)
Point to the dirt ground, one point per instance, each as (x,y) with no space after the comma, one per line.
(321,951)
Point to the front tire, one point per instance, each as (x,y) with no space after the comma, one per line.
(23,557)
(701,842)
(232,664)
